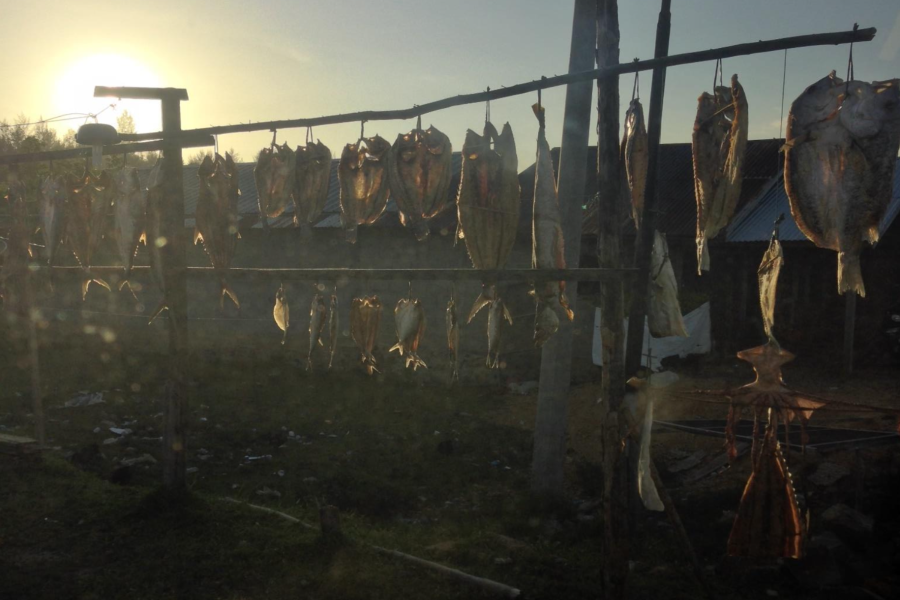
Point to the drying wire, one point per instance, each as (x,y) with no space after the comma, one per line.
(783,80)
(59,118)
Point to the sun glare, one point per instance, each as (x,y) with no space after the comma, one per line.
(75,89)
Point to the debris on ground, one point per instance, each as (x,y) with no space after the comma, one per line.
(85,399)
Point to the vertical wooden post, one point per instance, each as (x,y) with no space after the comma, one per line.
(40,428)
(548,461)
(849,331)
(644,240)
(175,261)
(618,485)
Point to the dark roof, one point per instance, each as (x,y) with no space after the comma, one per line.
(754,223)
(677,203)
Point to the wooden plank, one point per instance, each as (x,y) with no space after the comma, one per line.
(140,93)
(802,41)
(192,141)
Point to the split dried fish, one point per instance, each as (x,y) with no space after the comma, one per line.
(453,338)
(840,153)
(548,244)
(130,220)
(274,176)
(332,329)
(718,146)
(311,178)
(410,319)
(217,218)
(362,172)
(419,173)
(318,316)
(282,312)
(635,156)
(89,201)
(664,312)
(365,319)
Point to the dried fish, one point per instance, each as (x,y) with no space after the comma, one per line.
(410,319)
(311,178)
(718,145)
(419,174)
(282,312)
(131,217)
(362,172)
(453,338)
(159,204)
(767,274)
(89,200)
(53,204)
(317,318)
(274,176)
(548,244)
(664,312)
(332,328)
(15,273)
(365,318)
(217,217)
(840,152)
(496,313)
(635,156)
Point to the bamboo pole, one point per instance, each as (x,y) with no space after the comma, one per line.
(802,41)
(548,459)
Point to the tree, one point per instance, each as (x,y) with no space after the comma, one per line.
(125,123)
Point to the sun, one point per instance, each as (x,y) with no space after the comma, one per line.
(75,89)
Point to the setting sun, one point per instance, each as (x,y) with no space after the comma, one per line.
(75,88)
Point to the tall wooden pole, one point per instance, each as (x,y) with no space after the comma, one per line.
(548,461)
(644,241)
(175,260)
(617,487)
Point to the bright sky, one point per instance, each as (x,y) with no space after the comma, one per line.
(255,61)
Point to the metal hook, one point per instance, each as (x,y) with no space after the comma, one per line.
(362,129)
(776,226)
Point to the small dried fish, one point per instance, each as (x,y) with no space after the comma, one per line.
(496,314)
(317,319)
(453,338)
(311,178)
(53,215)
(663,311)
(332,329)
(365,318)
(410,318)
(362,173)
(767,274)
(419,174)
(131,217)
(635,154)
(282,312)
(89,200)
(274,176)
(217,217)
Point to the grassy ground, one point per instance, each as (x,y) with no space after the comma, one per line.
(440,473)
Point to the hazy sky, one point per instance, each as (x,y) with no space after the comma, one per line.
(255,61)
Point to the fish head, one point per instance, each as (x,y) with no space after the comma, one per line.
(436,142)
(868,107)
(819,102)
(376,148)
(406,146)
(634,116)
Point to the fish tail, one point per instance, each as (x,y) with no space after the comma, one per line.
(480,303)
(227,291)
(702,255)
(88,280)
(309,362)
(398,346)
(849,274)
(284,337)
(162,306)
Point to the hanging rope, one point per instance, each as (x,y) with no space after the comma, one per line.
(636,88)
(716,74)
(850,65)
(362,131)
(487,108)
(309,135)
(419,123)
(783,80)
(274,138)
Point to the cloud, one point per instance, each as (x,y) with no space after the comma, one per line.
(892,42)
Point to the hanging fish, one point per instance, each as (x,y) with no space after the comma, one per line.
(53,215)
(332,329)
(718,145)
(488,203)
(548,243)
(419,173)
(311,178)
(217,217)
(664,313)
(410,318)
(635,156)
(362,173)
(317,318)
(840,152)
(282,312)
(365,318)
(159,204)
(89,200)
(767,274)
(274,176)
(130,220)
(15,272)
(496,313)
(453,338)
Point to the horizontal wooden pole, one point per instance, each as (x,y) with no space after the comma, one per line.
(802,41)
(192,141)
(287,274)
(140,93)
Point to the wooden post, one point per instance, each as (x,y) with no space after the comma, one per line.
(644,240)
(849,331)
(40,427)
(618,488)
(548,460)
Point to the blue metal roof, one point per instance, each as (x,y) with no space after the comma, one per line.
(754,222)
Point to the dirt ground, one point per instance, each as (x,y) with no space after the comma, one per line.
(441,473)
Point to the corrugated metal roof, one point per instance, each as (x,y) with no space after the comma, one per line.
(677,203)
(754,222)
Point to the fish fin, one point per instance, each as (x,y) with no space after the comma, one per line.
(397,347)
(849,275)
(198,237)
(309,363)
(142,240)
(162,306)
(124,283)
(321,343)
(238,235)
(507,315)
(227,291)
(480,303)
